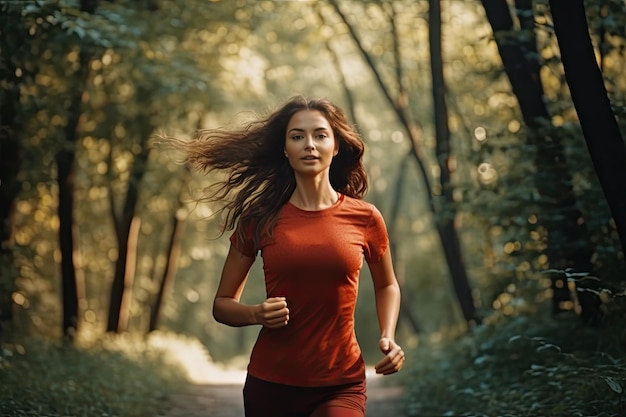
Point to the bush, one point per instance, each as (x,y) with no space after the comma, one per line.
(526,366)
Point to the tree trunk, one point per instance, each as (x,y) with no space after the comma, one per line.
(171,266)
(447,213)
(602,135)
(69,287)
(568,238)
(179,219)
(65,179)
(127,235)
(10,163)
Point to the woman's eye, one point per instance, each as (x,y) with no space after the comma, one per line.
(322,136)
(297,137)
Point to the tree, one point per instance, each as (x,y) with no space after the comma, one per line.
(447,214)
(568,240)
(65,180)
(127,225)
(12,39)
(601,131)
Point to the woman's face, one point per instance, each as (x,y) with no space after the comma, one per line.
(309,143)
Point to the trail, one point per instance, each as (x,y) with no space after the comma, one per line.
(223,398)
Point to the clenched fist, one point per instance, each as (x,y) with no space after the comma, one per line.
(272,313)
(394,357)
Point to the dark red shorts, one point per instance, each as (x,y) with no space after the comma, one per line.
(268,399)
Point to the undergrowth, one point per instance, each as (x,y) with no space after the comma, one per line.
(112,377)
(525,366)
(530,365)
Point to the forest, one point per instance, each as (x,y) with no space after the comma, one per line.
(495,150)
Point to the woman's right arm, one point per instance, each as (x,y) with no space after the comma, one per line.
(228,309)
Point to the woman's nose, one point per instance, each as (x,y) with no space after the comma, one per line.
(310,144)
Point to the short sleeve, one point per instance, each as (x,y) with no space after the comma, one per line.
(376,237)
(247,245)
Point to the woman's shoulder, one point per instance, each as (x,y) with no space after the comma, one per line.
(359,205)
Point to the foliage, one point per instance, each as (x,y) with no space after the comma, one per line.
(110,377)
(530,365)
(506,208)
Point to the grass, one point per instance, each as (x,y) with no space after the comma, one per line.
(123,376)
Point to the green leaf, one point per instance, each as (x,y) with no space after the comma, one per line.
(548,346)
(613,384)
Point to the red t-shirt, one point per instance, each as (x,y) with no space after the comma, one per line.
(314,259)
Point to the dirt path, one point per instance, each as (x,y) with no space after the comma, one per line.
(223,399)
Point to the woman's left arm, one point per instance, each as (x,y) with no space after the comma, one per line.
(387,294)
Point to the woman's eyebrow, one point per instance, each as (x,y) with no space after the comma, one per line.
(297,129)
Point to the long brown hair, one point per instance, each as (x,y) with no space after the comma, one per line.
(259,179)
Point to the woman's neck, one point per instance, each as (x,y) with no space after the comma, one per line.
(310,196)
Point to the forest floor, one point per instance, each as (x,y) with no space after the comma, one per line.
(223,398)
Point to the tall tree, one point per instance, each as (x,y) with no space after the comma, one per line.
(13,36)
(127,226)
(447,214)
(569,245)
(65,180)
(584,78)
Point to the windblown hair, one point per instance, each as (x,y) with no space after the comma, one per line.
(259,179)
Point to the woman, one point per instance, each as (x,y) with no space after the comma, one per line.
(294,194)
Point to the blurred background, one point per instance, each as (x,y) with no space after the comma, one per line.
(474,150)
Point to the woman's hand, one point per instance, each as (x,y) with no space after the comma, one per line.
(272,313)
(394,357)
